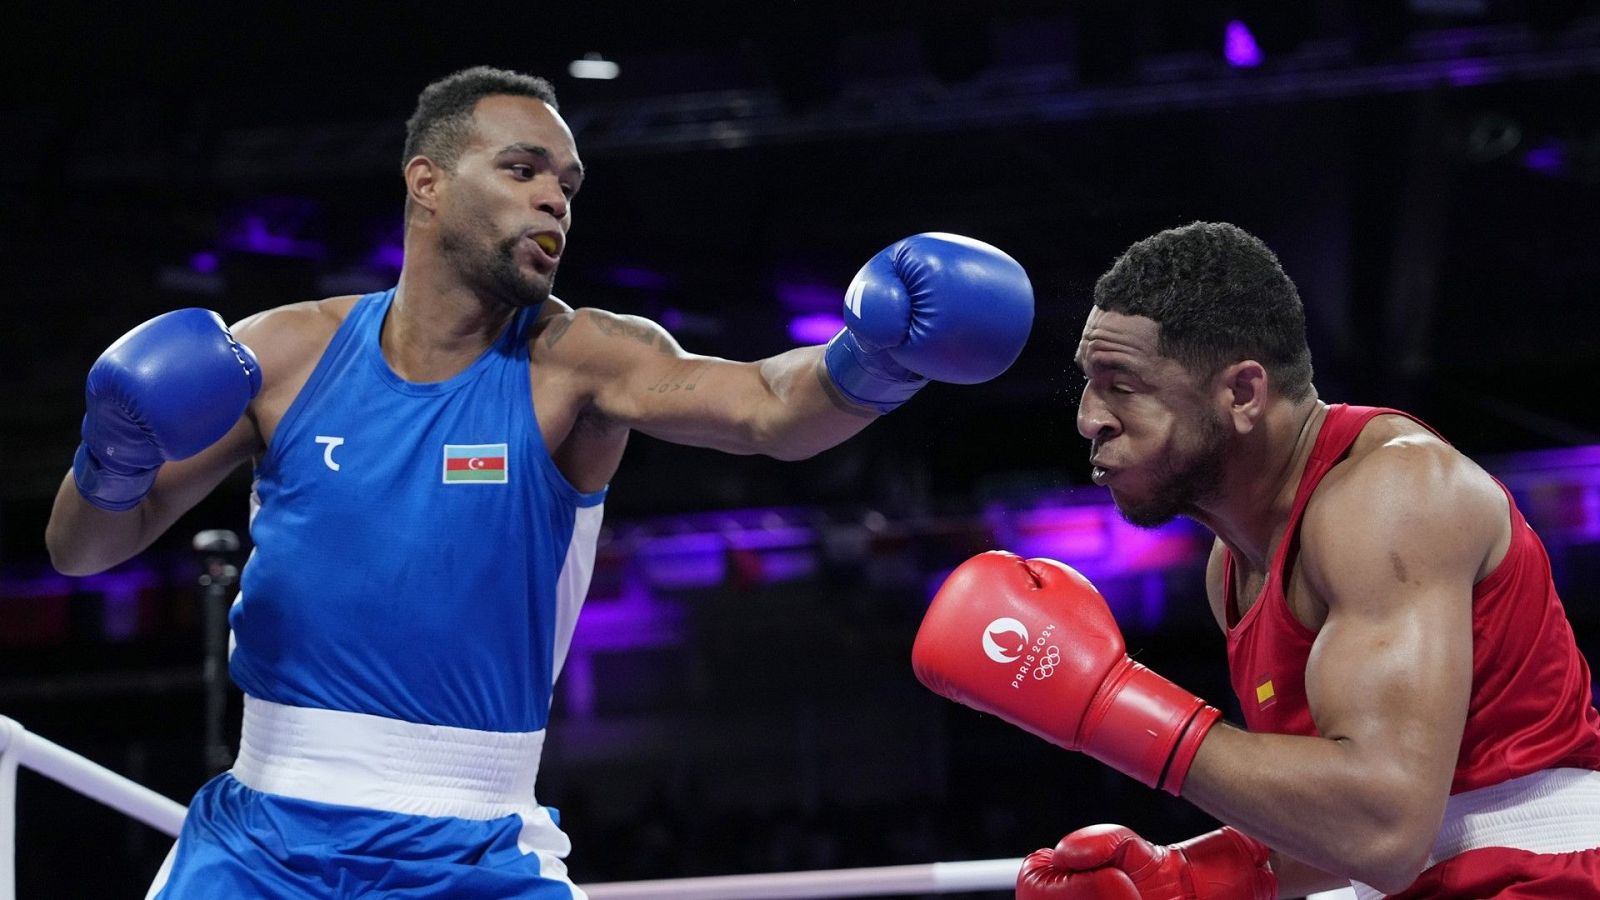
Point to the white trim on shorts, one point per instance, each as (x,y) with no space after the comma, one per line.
(355,759)
(1553,811)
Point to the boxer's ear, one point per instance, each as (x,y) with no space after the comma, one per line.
(1241,390)
(423,177)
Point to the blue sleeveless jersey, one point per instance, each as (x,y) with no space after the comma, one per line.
(417,553)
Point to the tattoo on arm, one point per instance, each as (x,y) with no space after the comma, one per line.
(616,326)
(841,402)
(557,328)
(686,381)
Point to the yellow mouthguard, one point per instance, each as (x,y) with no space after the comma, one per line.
(547,242)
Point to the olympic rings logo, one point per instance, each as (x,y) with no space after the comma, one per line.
(1047,664)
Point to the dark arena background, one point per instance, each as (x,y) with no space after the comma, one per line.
(739,696)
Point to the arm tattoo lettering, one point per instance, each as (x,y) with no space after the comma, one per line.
(687,381)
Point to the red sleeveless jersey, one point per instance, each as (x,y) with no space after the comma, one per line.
(1530,708)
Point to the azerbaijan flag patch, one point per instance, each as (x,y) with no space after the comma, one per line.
(474,463)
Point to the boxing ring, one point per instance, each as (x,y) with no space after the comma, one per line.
(22,748)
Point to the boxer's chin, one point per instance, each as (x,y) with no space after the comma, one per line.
(1182,484)
(1146,512)
(518,285)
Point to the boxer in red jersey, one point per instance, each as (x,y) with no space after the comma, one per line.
(1420,718)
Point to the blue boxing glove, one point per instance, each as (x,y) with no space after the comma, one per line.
(933,306)
(165,390)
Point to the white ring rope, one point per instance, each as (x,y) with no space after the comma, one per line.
(933,878)
(8,809)
(91,779)
(20,747)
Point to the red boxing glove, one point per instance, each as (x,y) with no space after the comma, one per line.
(1110,862)
(1034,643)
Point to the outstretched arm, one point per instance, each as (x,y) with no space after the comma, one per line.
(784,406)
(929,307)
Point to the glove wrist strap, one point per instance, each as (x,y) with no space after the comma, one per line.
(1146,727)
(107,488)
(868,379)
(1235,865)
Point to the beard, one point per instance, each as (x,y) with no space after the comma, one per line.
(1183,480)
(493,271)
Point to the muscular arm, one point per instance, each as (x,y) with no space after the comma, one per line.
(635,374)
(1393,547)
(84,539)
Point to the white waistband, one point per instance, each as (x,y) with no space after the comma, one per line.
(1553,811)
(355,759)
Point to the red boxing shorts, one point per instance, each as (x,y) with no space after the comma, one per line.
(1510,875)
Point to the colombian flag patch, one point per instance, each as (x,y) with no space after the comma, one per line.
(474,463)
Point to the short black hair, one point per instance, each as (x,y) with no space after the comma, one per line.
(441,125)
(1219,295)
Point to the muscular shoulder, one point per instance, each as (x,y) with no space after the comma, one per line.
(594,341)
(1402,497)
(284,337)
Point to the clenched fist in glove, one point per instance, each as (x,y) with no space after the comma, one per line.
(1033,642)
(1110,862)
(933,306)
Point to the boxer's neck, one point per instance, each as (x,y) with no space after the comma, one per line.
(1252,509)
(437,326)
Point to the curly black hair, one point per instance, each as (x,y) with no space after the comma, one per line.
(441,126)
(1220,296)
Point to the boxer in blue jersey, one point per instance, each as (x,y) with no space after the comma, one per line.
(430,467)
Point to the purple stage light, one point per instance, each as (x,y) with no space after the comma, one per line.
(635,620)
(1586,457)
(1094,539)
(697,552)
(1085,531)
(272,226)
(805,298)
(119,591)
(1557,490)
(205,263)
(390,256)
(683,560)
(787,565)
(639,279)
(253,235)
(1468,73)
(1546,159)
(815,328)
(1240,47)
